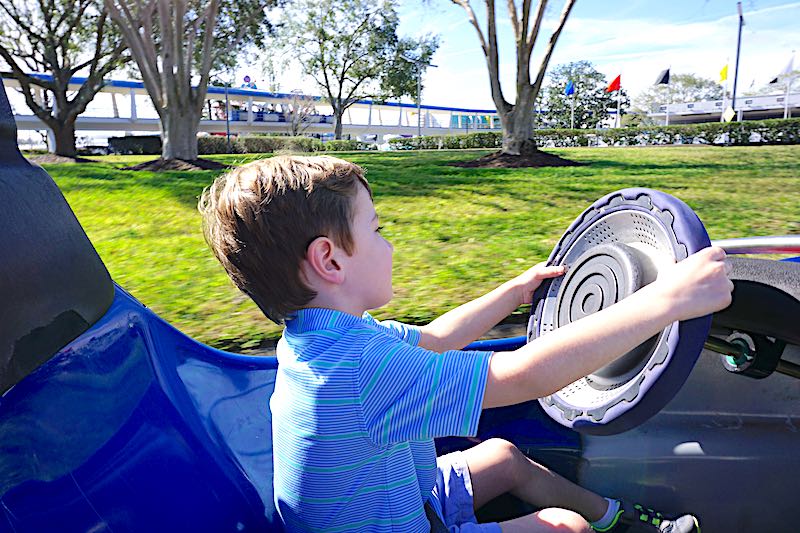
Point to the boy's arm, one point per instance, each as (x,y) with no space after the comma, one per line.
(466,323)
(694,287)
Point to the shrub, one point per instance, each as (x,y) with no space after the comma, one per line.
(273,144)
(772,131)
(344,145)
(135,145)
(217,144)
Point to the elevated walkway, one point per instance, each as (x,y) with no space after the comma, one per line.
(751,107)
(124,106)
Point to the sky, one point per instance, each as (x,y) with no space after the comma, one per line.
(634,38)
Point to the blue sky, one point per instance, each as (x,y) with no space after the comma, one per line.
(635,38)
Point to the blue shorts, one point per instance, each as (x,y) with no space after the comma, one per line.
(452,496)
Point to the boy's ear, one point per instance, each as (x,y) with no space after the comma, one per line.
(322,259)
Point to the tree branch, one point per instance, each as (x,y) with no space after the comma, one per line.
(551,46)
(534,33)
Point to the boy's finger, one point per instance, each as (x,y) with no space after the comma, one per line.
(552,271)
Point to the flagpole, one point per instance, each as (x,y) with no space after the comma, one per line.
(725,92)
(789,80)
(619,97)
(738,49)
(572,112)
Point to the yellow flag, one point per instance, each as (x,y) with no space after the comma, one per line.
(723,74)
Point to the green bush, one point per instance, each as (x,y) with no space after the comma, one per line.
(257,144)
(344,145)
(135,145)
(272,144)
(217,144)
(772,131)
(483,139)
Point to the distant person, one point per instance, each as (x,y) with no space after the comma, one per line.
(249,83)
(358,402)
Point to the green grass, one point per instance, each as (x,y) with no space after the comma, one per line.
(457,232)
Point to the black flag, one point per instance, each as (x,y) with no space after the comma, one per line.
(663,78)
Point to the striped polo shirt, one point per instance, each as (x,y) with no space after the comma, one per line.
(356,407)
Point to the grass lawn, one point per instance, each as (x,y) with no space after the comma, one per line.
(457,232)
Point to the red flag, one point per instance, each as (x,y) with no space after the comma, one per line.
(614,85)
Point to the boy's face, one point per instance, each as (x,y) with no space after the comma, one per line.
(369,271)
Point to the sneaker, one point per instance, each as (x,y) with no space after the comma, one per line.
(643,519)
(631,518)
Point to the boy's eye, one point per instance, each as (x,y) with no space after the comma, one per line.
(380,228)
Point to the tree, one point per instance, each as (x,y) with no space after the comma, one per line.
(62,38)
(517,118)
(301,107)
(175,44)
(681,88)
(590,100)
(351,49)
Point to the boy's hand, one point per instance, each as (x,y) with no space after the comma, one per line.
(529,281)
(696,286)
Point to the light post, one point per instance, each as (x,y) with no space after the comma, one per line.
(227,118)
(417,62)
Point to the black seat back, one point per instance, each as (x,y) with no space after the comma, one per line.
(53,285)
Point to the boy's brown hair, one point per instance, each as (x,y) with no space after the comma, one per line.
(260,218)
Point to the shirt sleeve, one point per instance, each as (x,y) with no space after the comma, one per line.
(408,393)
(406,332)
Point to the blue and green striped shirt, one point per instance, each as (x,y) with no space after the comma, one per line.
(355,409)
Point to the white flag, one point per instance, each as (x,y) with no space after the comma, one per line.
(785,73)
(788,68)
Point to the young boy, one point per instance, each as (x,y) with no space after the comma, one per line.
(358,402)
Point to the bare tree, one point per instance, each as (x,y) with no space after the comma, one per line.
(301,108)
(61,38)
(176,43)
(517,118)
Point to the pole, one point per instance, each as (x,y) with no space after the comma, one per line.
(227,119)
(725,94)
(572,113)
(419,103)
(738,49)
(789,80)
(417,62)
(619,118)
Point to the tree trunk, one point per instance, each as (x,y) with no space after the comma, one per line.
(337,124)
(179,134)
(518,125)
(64,136)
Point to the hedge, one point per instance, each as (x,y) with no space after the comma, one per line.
(257,145)
(218,144)
(345,145)
(135,145)
(772,131)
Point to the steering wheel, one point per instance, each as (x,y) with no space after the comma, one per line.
(611,250)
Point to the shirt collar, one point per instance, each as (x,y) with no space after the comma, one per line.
(317,318)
